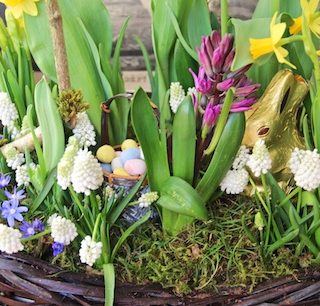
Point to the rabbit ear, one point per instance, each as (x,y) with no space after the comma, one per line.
(274,118)
(261,119)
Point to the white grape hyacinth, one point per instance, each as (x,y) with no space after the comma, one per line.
(305,166)
(90,251)
(177,95)
(84,130)
(62,230)
(148,198)
(235,181)
(241,159)
(259,161)
(10,240)
(13,157)
(87,174)
(8,110)
(22,176)
(65,166)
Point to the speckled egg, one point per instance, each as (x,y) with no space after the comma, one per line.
(135,167)
(121,171)
(132,153)
(106,167)
(116,163)
(128,144)
(106,154)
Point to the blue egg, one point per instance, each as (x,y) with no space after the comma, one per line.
(132,153)
(106,167)
(116,163)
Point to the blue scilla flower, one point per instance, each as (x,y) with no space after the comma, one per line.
(11,211)
(4,180)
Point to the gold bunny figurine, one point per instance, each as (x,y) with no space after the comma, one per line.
(274,119)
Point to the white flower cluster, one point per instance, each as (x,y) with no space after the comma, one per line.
(177,95)
(305,166)
(259,161)
(237,178)
(13,157)
(62,229)
(8,111)
(22,174)
(235,181)
(148,198)
(90,251)
(65,165)
(84,131)
(10,240)
(87,173)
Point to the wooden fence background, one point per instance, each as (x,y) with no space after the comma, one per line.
(140,24)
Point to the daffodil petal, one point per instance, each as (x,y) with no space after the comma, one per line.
(30,8)
(277,31)
(313,5)
(260,47)
(296,27)
(281,53)
(17,11)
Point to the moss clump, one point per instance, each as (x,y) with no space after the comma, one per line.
(206,256)
(70,103)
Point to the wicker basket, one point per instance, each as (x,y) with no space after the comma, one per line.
(25,280)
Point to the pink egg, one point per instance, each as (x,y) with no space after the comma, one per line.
(135,167)
(118,153)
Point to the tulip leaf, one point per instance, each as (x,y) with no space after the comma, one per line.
(223,156)
(51,125)
(198,11)
(180,197)
(244,30)
(146,129)
(184,141)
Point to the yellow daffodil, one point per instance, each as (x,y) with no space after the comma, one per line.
(309,9)
(260,47)
(18,7)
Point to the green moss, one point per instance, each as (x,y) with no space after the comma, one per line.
(208,255)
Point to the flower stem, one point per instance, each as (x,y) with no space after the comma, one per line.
(36,236)
(290,39)
(96,227)
(224,17)
(221,121)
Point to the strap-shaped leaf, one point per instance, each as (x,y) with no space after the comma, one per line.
(180,197)
(184,141)
(223,156)
(146,128)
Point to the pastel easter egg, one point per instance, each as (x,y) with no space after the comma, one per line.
(118,153)
(120,171)
(135,167)
(106,154)
(106,167)
(116,163)
(132,153)
(128,144)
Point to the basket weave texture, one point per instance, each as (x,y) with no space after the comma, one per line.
(25,280)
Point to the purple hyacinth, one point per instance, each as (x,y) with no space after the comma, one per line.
(4,180)
(16,194)
(29,229)
(201,81)
(57,248)
(11,211)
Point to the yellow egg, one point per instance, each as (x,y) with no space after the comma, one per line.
(106,154)
(120,171)
(128,144)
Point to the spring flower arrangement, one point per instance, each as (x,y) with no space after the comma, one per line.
(227,123)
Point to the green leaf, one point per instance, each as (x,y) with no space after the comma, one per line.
(109,283)
(198,11)
(181,64)
(244,30)
(154,149)
(180,197)
(284,240)
(223,156)
(51,125)
(184,141)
